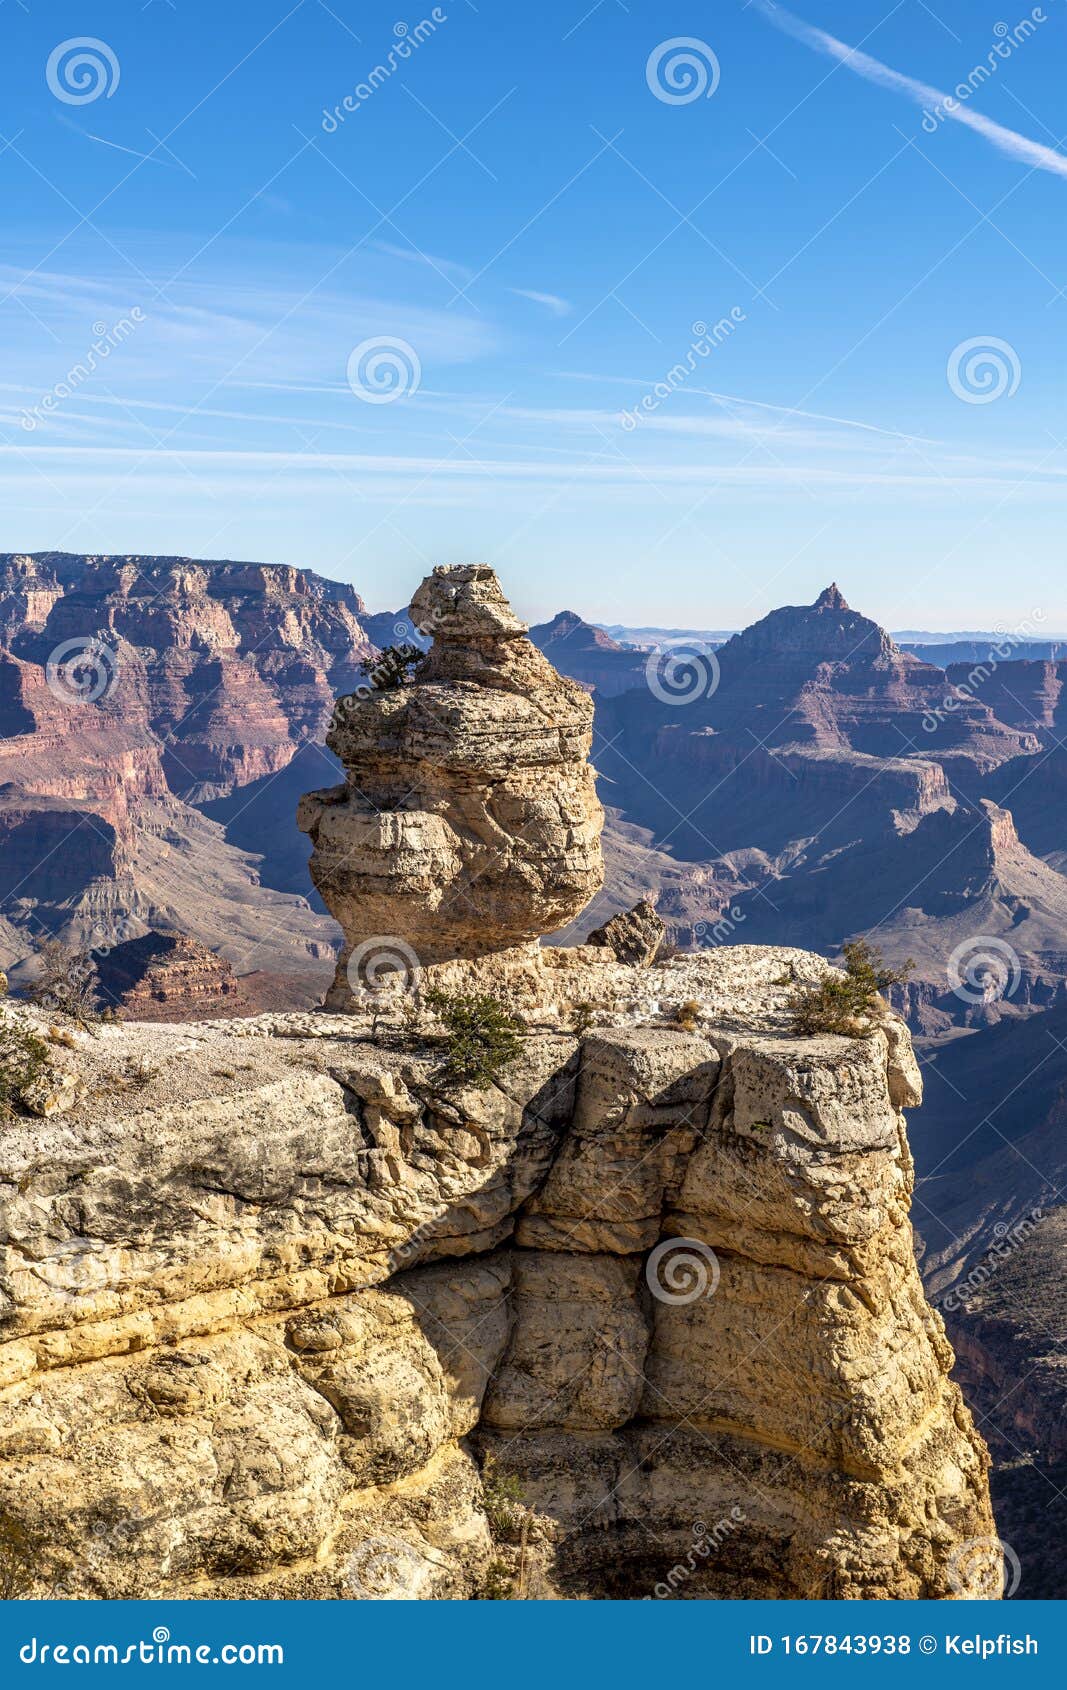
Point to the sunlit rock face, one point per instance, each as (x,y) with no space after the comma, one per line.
(469,822)
(267,1311)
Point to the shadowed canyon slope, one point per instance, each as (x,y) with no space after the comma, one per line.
(135,693)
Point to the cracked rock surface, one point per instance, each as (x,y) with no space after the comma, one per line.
(274,1290)
(469,822)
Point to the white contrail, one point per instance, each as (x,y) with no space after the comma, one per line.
(921,93)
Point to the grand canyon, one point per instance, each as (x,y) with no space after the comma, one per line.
(406,1333)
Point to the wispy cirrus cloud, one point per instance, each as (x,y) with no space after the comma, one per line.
(1007,141)
(551,301)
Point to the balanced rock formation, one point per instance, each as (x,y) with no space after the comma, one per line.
(468,823)
(285,1298)
(270,1305)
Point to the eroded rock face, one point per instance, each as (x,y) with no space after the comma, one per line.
(164,977)
(469,822)
(268,1308)
(202,682)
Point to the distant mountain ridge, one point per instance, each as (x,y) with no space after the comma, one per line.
(588,654)
(819,781)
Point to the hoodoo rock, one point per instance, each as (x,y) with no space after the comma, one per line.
(469,822)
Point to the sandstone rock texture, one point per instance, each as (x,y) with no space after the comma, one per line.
(633,935)
(468,823)
(275,1290)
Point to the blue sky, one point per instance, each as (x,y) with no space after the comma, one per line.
(533,232)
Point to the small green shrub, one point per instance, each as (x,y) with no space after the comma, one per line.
(497,1584)
(482,1035)
(501,1497)
(392,667)
(843,1002)
(23,1057)
(583,1017)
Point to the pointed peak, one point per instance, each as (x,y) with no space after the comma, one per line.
(831,598)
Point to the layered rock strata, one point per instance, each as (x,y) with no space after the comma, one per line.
(468,823)
(164,976)
(275,1289)
(133,689)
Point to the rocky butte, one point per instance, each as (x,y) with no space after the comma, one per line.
(288,1311)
